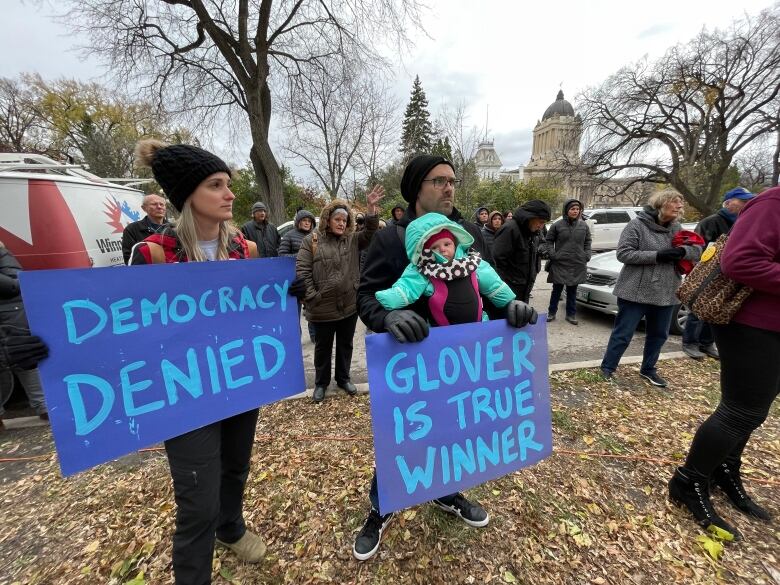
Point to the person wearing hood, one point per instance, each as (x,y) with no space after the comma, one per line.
(329,264)
(481,217)
(428,184)
(442,269)
(262,232)
(698,340)
(291,242)
(647,283)
(396,213)
(495,221)
(516,247)
(568,249)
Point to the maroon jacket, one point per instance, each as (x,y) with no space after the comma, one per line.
(752,257)
(175,253)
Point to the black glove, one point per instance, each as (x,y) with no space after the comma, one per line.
(23,351)
(670,255)
(406,326)
(297,289)
(520,314)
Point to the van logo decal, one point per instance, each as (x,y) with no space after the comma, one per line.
(119,215)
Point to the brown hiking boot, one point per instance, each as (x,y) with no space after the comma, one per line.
(249,548)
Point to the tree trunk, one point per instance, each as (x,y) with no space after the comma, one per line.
(267,171)
(269,180)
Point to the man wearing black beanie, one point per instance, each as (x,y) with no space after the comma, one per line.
(428,185)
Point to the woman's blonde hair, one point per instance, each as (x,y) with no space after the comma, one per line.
(658,200)
(188,236)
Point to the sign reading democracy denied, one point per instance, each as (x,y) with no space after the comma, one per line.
(468,404)
(142,354)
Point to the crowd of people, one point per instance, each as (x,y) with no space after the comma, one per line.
(429,266)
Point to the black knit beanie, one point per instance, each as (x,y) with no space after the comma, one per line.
(178,168)
(537,208)
(415,172)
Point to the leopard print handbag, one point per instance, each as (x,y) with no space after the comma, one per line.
(709,293)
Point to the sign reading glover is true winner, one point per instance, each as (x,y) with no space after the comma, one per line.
(140,354)
(468,404)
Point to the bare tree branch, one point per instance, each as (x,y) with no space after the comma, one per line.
(683,119)
(212,61)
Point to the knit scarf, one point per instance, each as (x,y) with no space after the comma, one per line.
(451,270)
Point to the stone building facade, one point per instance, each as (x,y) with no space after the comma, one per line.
(555,156)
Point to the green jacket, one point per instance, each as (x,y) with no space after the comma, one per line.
(412,285)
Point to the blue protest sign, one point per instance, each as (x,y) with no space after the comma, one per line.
(468,404)
(141,354)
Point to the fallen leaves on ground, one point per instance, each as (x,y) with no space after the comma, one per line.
(595,512)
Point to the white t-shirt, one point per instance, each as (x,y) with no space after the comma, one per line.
(209,248)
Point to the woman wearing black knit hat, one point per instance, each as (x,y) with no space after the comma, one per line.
(209,465)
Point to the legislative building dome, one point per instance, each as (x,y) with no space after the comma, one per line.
(560,107)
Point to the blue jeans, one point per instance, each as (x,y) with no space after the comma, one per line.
(656,333)
(571,299)
(697,332)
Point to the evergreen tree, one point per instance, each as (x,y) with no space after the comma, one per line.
(417,128)
(442,147)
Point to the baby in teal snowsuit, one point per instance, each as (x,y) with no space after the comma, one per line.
(442,268)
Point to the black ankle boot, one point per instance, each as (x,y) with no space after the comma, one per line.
(727,478)
(692,490)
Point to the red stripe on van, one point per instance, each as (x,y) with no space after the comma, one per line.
(56,239)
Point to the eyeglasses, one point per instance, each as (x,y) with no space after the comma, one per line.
(440,182)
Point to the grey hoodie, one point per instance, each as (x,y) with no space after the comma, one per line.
(643,279)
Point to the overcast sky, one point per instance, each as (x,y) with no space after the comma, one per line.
(510,56)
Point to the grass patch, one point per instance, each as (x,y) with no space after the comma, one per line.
(563,422)
(590,376)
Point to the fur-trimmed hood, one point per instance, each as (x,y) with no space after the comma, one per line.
(322,228)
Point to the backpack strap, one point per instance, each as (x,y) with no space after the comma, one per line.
(313,243)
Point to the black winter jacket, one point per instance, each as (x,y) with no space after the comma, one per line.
(12,316)
(264,235)
(291,242)
(568,248)
(490,236)
(136,232)
(714,226)
(385,262)
(516,253)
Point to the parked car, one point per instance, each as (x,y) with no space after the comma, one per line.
(596,293)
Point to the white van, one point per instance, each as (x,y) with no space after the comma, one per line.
(55,215)
(607,224)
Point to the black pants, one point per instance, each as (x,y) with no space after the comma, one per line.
(373,494)
(209,467)
(750,382)
(324,332)
(571,299)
